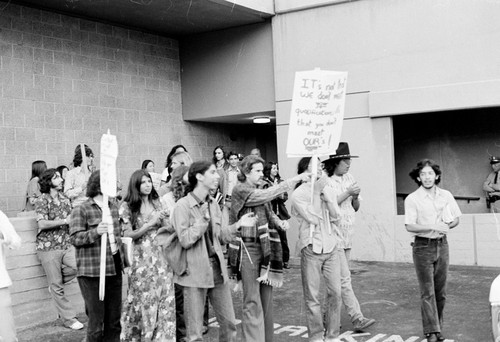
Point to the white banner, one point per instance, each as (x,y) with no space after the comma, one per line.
(109,153)
(317,112)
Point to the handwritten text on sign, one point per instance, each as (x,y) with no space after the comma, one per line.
(109,153)
(317,112)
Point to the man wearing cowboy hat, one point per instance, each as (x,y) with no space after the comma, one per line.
(347,191)
(492,184)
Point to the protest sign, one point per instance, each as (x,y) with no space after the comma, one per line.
(109,153)
(317,112)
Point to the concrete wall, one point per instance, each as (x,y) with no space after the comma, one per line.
(66,80)
(402,57)
(459,142)
(228,73)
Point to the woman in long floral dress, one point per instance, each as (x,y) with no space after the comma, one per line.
(149,312)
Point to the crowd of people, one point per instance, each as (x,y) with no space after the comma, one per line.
(225,221)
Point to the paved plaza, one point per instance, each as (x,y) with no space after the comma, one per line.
(387,292)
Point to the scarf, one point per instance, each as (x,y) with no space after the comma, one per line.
(271,267)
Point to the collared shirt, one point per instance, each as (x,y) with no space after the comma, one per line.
(232,178)
(75,179)
(190,225)
(347,213)
(10,239)
(323,239)
(49,209)
(422,208)
(83,229)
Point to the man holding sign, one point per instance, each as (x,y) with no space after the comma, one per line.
(86,229)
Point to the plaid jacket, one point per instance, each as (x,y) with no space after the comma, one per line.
(83,229)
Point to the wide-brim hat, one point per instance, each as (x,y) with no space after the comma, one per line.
(342,152)
(494,160)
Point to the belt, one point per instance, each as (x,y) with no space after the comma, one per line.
(249,239)
(428,240)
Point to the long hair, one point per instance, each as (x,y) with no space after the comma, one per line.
(94,184)
(267,171)
(330,165)
(178,184)
(60,169)
(214,159)
(134,197)
(415,173)
(172,152)
(37,168)
(199,167)
(146,163)
(45,180)
(247,165)
(77,159)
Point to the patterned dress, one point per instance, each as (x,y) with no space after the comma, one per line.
(149,309)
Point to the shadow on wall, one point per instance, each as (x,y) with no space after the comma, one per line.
(459,141)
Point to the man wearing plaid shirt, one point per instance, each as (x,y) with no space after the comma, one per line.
(86,228)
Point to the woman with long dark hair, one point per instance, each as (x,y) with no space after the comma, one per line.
(149,313)
(33,189)
(219,158)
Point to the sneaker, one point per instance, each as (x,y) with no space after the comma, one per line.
(76,325)
(363,323)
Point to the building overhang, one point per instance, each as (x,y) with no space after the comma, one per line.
(172,18)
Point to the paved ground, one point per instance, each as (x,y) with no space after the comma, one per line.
(387,292)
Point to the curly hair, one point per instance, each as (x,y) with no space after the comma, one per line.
(45,180)
(415,173)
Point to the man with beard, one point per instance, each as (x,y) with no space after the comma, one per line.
(53,245)
(430,212)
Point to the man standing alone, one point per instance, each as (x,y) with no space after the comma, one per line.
(430,212)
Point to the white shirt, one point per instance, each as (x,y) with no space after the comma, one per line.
(347,212)
(421,208)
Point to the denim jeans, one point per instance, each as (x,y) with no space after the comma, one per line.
(7,327)
(222,304)
(348,297)
(104,316)
(60,267)
(257,322)
(180,325)
(314,267)
(431,260)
